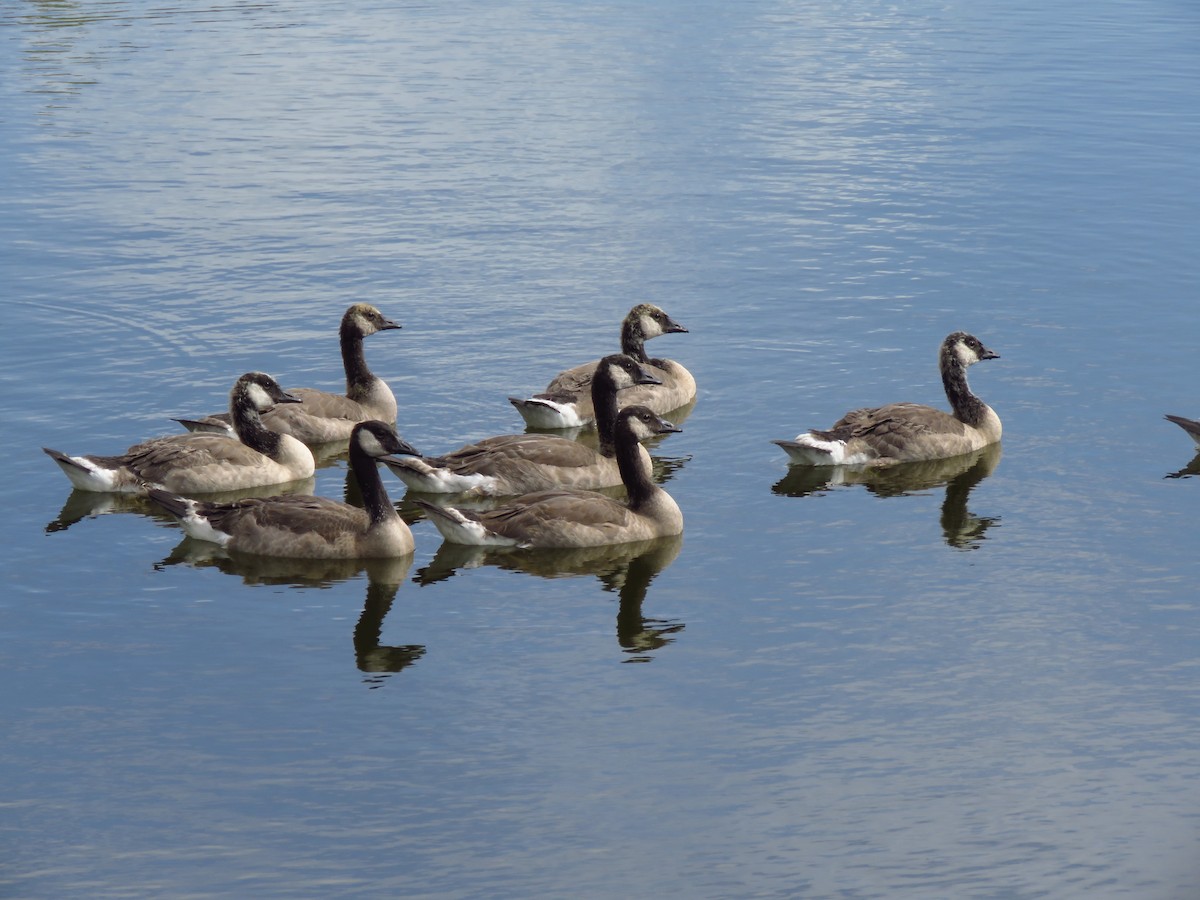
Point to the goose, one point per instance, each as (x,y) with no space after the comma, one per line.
(1191,426)
(571,518)
(308,527)
(203,463)
(908,432)
(324,417)
(566,402)
(520,463)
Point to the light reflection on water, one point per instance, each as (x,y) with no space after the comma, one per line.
(840,702)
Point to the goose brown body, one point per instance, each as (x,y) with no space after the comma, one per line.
(203,463)
(305,526)
(325,417)
(567,400)
(519,463)
(907,432)
(565,518)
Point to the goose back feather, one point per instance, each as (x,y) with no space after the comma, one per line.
(1191,426)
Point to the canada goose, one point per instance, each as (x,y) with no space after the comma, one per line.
(324,418)
(303,526)
(1191,426)
(907,432)
(203,463)
(572,518)
(566,402)
(520,463)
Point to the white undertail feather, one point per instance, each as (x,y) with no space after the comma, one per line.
(547,414)
(460,529)
(808,449)
(421,477)
(198,527)
(86,475)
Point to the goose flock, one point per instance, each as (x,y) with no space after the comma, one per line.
(538,490)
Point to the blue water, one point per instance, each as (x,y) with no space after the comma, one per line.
(972,682)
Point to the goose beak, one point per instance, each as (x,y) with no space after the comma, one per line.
(388,325)
(285,397)
(645,377)
(404,449)
(989,354)
(674,327)
(665,427)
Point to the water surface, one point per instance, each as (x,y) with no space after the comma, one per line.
(975,680)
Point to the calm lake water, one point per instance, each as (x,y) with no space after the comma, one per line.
(973,681)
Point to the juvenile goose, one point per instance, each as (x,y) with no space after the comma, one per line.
(1191,426)
(566,402)
(203,463)
(307,527)
(324,417)
(566,518)
(520,463)
(906,432)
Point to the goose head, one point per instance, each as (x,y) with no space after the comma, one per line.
(966,349)
(619,371)
(259,391)
(643,322)
(641,423)
(379,441)
(364,319)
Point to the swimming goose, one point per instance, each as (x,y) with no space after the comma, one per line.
(907,432)
(203,463)
(1191,426)
(566,402)
(520,463)
(324,417)
(308,527)
(566,518)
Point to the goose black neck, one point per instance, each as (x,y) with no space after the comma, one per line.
(633,468)
(370,485)
(633,341)
(968,408)
(604,402)
(249,427)
(354,360)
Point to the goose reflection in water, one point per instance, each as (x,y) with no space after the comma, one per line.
(1189,471)
(90,505)
(384,577)
(624,569)
(960,527)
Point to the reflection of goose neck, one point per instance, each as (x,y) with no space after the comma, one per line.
(369,654)
(959,527)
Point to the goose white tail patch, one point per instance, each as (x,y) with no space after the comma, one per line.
(809,450)
(85,474)
(419,476)
(547,414)
(195,525)
(459,529)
